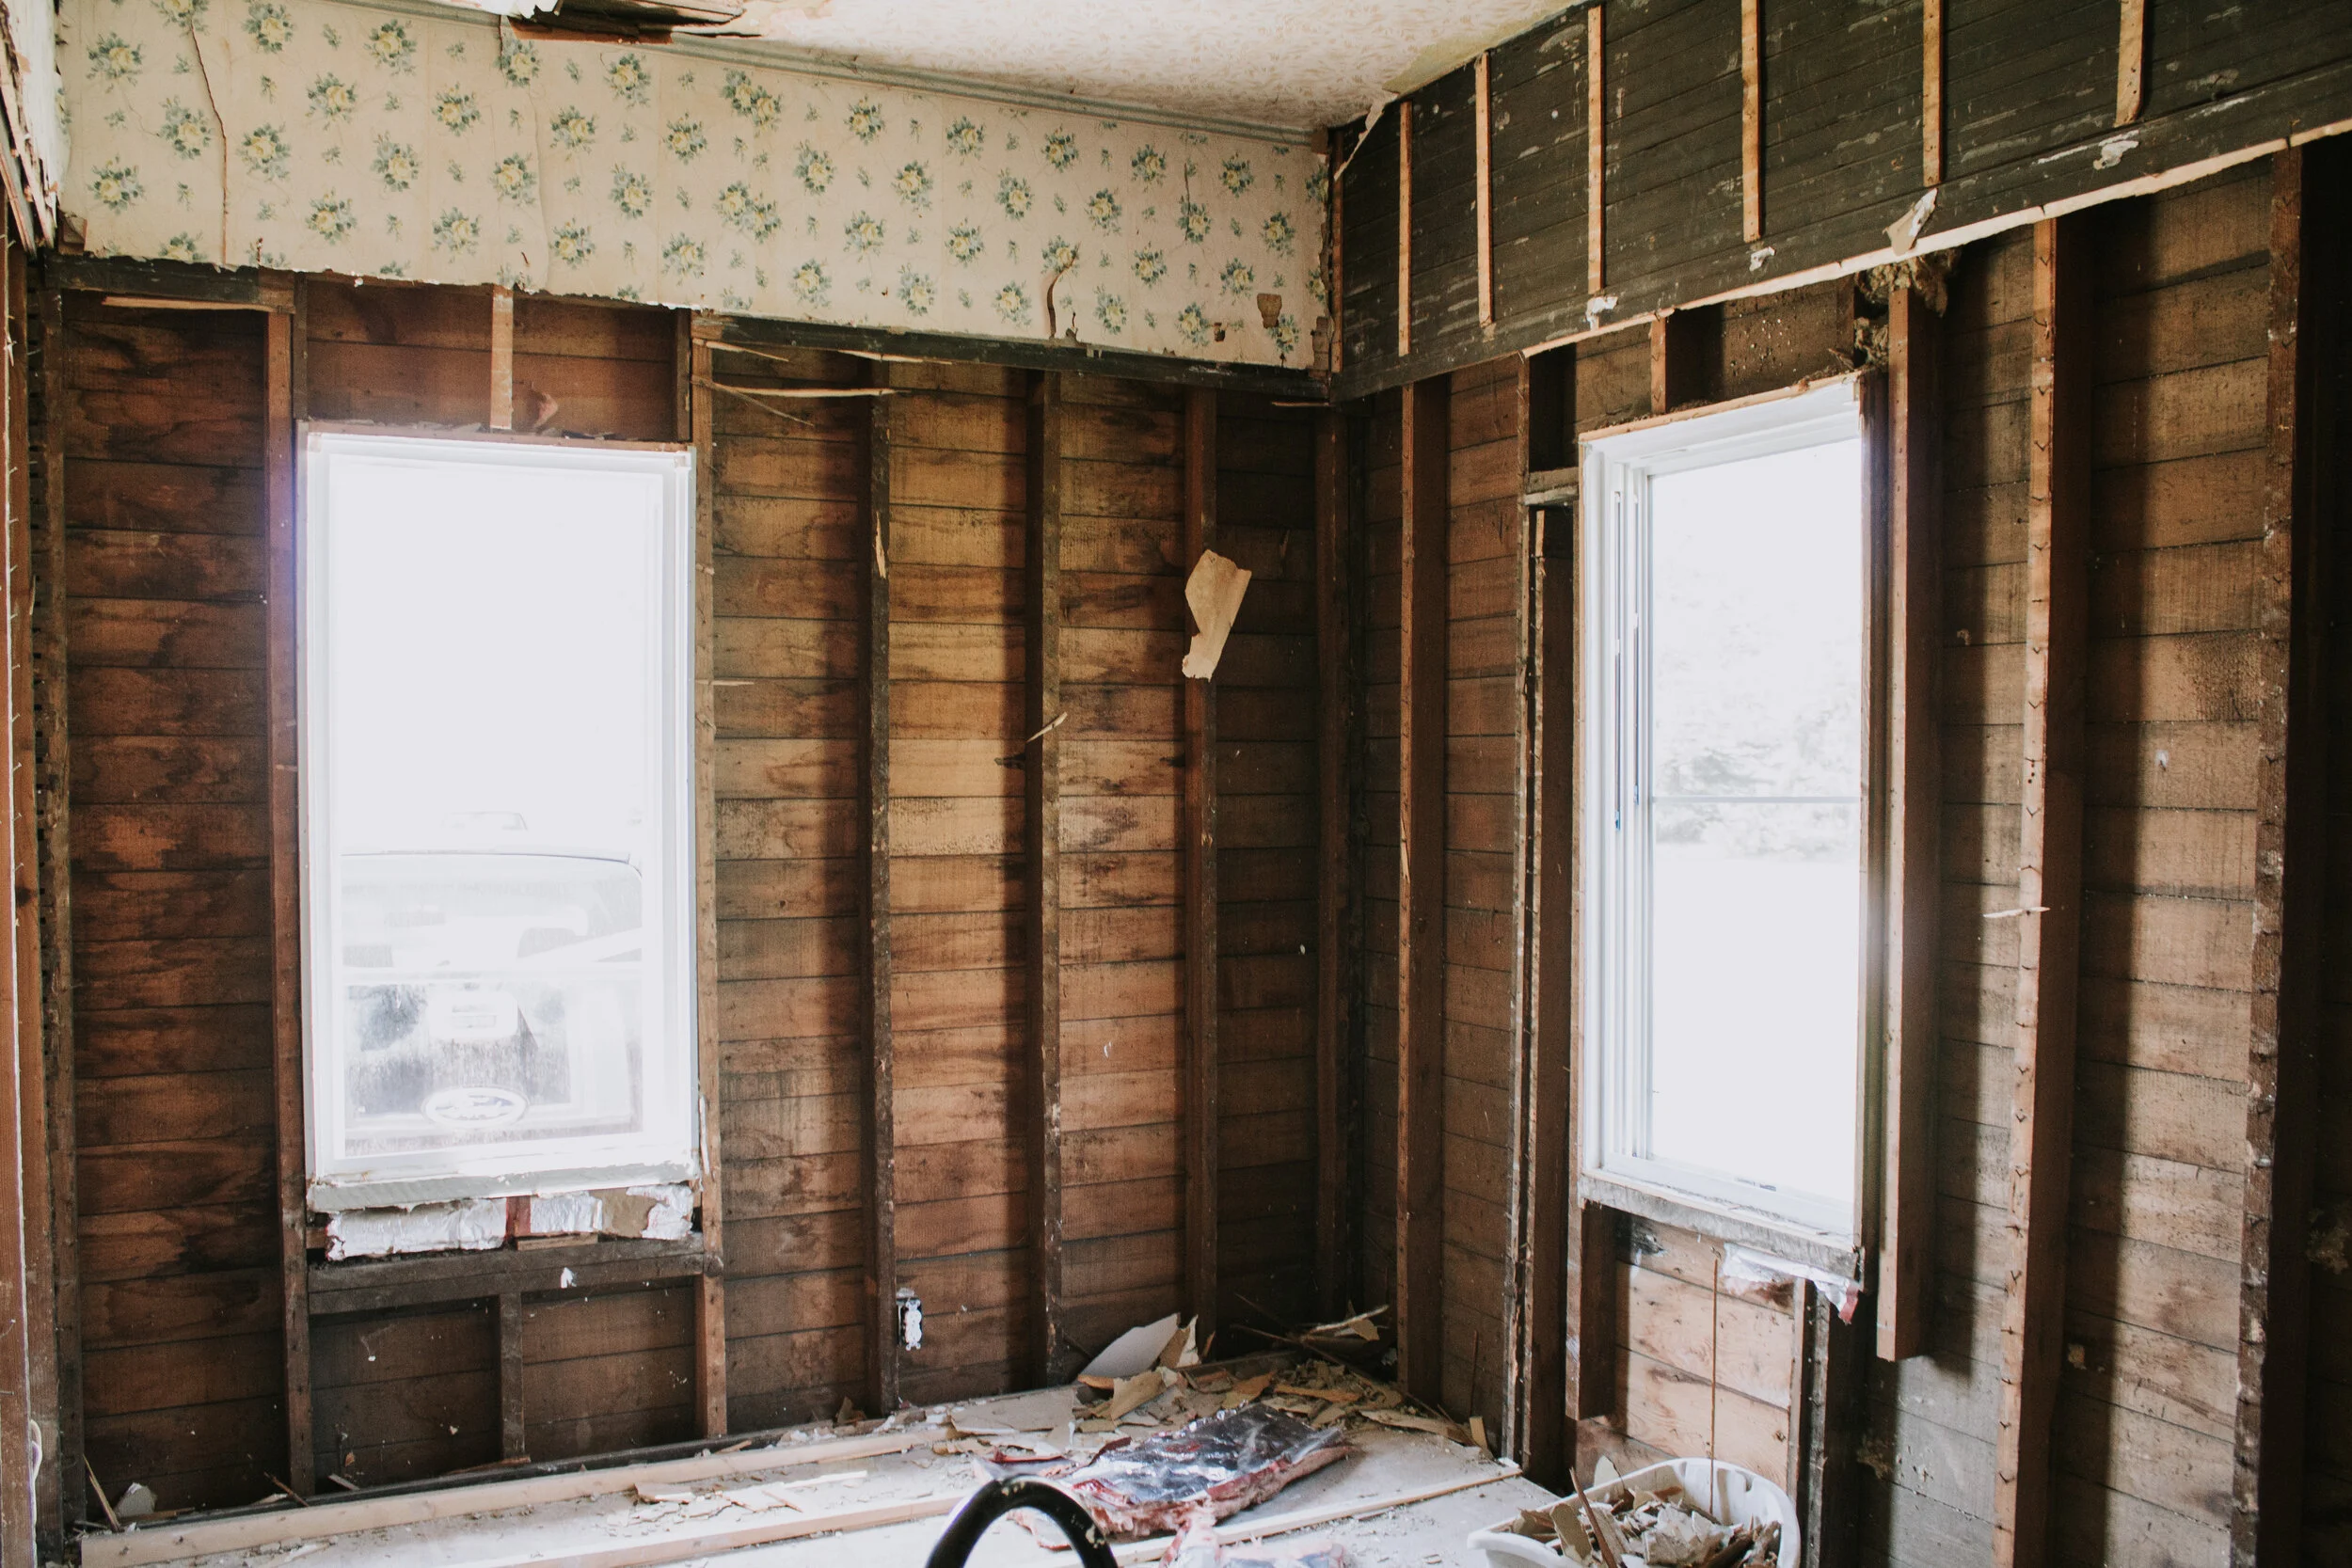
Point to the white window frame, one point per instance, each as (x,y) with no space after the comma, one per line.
(1616,466)
(668,1147)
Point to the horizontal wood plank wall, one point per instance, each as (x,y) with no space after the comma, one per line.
(1123,634)
(614,1371)
(1840,152)
(789,537)
(385,1393)
(1702,1367)
(1485,873)
(959,487)
(1266,830)
(182,1367)
(1381,453)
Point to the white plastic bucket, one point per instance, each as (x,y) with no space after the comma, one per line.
(1731,1496)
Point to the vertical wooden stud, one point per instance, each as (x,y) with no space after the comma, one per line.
(1519,1326)
(1334,282)
(1042,784)
(50,625)
(2049,888)
(1678,369)
(2131,60)
(1595,146)
(501,357)
(1800,1362)
(278,460)
(1203,1105)
(1548,1449)
(710,1297)
(1931,92)
(1335,887)
(1403,227)
(881,1160)
(1906,1256)
(19,1283)
(1751,121)
(1421,891)
(1483,98)
(2290,851)
(514,1441)
(32,1075)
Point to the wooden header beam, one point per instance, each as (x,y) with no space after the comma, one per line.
(1421,891)
(2049,886)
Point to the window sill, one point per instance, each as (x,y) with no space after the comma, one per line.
(1834,1254)
(379,1284)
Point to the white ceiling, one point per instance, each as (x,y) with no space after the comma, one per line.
(1292,63)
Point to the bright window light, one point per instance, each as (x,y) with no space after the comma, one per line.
(497,817)
(1726,586)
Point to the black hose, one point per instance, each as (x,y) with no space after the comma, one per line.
(985,1506)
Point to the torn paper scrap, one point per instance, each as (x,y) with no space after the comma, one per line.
(1135,1351)
(1213,591)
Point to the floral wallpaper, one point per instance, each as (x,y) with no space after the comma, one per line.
(318,136)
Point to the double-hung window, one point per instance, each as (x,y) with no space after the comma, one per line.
(1725,806)
(496,666)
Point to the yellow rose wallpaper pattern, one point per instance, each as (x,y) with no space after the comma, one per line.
(317,136)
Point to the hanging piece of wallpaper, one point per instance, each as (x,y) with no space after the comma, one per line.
(324,136)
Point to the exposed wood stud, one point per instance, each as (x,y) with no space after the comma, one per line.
(283,327)
(2131,60)
(40,1306)
(710,1300)
(1403,227)
(1203,1105)
(1337,738)
(1595,146)
(1593,1332)
(1484,138)
(1931,92)
(49,653)
(1751,121)
(1335,284)
(1420,890)
(1800,1351)
(882,1165)
(1041,784)
(1676,372)
(1906,1258)
(508,1310)
(2049,887)
(24,1186)
(1548,1449)
(2291,852)
(1518,1328)
(501,357)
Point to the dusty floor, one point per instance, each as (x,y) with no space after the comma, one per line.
(1387,1464)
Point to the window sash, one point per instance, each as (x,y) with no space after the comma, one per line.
(1618,705)
(665,1145)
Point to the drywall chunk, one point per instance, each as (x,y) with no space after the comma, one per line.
(1213,591)
(469,1225)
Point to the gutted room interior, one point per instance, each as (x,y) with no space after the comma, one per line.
(1374,785)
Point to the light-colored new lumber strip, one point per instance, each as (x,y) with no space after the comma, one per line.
(1335,888)
(1041,789)
(1596,142)
(2290,855)
(1420,890)
(1483,100)
(1906,1260)
(1203,1106)
(1931,92)
(1751,121)
(2131,60)
(710,1299)
(341,1517)
(2049,888)
(881,1160)
(502,357)
(1403,227)
(283,325)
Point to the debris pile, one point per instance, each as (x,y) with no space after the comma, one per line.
(1618,1526)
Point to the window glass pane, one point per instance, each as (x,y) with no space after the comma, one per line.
(493,811)
(1755,708)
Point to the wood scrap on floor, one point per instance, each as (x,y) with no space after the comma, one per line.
(1664,1527)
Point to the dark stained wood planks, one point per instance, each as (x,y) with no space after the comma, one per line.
(1421,706)
(1338,913)
(2049,912)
